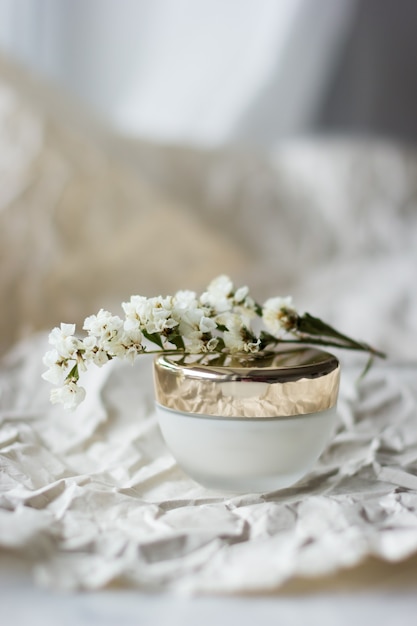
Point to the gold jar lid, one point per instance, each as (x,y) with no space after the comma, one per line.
(268,384)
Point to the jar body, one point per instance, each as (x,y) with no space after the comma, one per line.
(247,424)
(246,455)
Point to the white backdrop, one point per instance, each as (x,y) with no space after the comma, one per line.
(183,70)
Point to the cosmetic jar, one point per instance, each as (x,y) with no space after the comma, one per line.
(247,423)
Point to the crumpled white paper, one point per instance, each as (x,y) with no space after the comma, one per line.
(94,497)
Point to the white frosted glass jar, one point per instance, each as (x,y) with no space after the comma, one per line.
(247,423)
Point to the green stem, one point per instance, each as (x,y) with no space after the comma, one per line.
(354,346)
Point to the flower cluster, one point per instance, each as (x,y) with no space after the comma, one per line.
(220,320)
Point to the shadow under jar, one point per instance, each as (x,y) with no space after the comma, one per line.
(251,423)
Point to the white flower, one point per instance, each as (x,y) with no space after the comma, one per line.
(130,352)
(90,346)
(93,353)
(279,315)
(244,305)
(161,319)
(57,368)
(104,323)
(51,358)
(207,324)
(246,310)
(153,315)
(70,395)
(107,328)
(196,344)
(221,320)
(237,337)
(184,300)
(221,298)
(132,331)
(136,310)
(100,357)
(241,294)
(196,320)
(129,346)
(193,326)
(63,341)
(218,294)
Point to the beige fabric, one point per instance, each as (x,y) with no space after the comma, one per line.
(78,229)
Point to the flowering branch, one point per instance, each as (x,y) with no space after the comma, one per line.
(219,321)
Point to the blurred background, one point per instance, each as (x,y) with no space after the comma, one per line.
(210,72)
(148,145)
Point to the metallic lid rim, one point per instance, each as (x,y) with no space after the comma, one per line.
(250,392)
(282,373)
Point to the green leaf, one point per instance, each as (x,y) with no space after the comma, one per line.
(177,340)
(267,339)
(73,375)
(222,328)
(220,344)
(367,367)
(309,325)
(154,337)
(314,326)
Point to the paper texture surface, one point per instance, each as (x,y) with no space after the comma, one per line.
(93,498)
